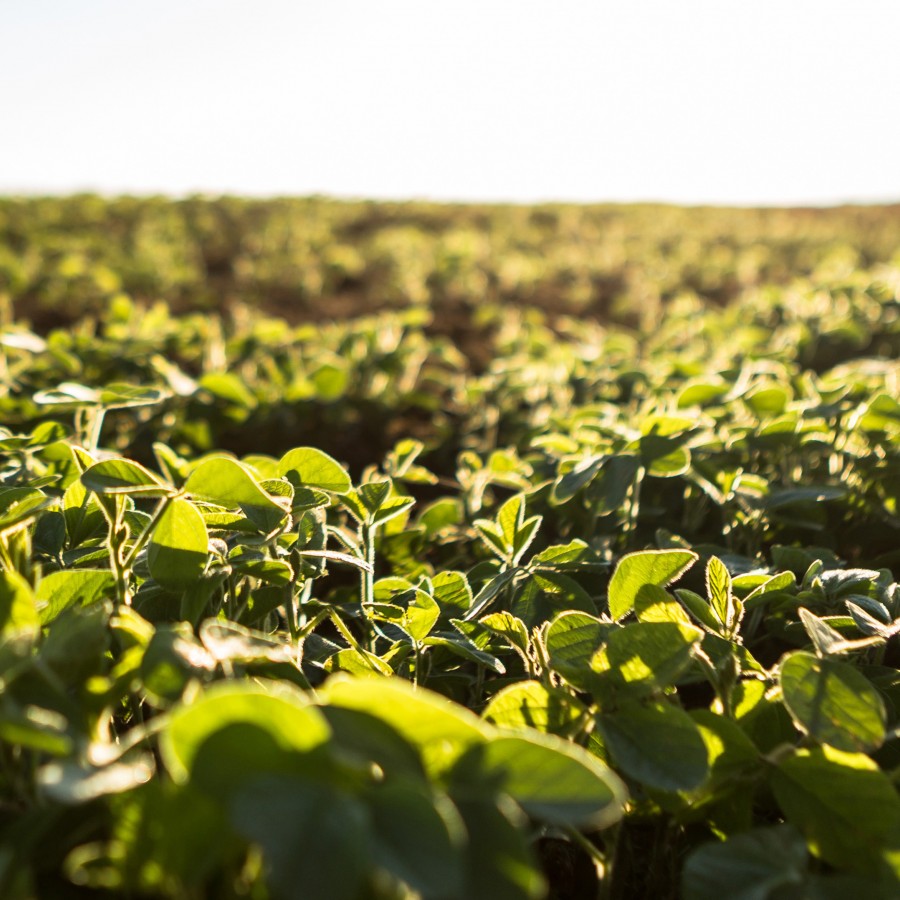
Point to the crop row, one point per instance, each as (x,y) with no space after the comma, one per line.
(320,258)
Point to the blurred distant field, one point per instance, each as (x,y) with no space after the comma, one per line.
(316,258)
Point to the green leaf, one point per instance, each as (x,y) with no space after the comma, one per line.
(441,516)
(719,591)
(82,514)
(402,457)
(768,401)
(525,537)
(227,483)
(882,413)
(656,604)
(123,476)
(228,387)
(113,396)
(609,488)
(439,728)
(506,625)
(21,505)
(572,641)
(271,571)
(511,517)
(49,536)
(748,866)
(163,833)
(499,865)
(700,393)
(76,645)
(308,467)
(18,607)
(826,640)
(832,702)
(529,704)
(358,662)
(562,555)
(783,581)
(553,780)
(647,656)
(847,808)
(452,593)
(391,508)
(267,724)
(700,609)
(365,739)
(418,837)
(130,396)
(490,590)
(373,494)
(546,593)
(69,587)
(663,457)
(465,649)
(658,567)
(421,614)
(733,758)
(179,546)
(317,841)
(493,537)
(574,479)
(330,381)
(658,745)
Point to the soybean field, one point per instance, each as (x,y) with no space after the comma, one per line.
(391,551)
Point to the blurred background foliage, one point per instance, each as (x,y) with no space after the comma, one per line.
(321,258)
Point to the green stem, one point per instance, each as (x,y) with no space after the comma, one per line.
(144,536)
(598,858)
(312,624)
(302,600)
(634,507)
(348,635)
(367,539)
(605,891)
(118,535)
(94,426)
(289,614)
(367,533)
(417,662)
(722,691)
(5,559)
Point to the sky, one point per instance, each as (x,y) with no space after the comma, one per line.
(770,102)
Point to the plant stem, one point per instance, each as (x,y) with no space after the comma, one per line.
(367,539)
(367,533)
(93,427)
(144,536)
(597,858)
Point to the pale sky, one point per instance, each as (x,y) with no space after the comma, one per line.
(692,101)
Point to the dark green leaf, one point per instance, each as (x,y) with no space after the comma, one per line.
(832,702)
(658,745)
(846,807)
(178,549)
(747,866)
